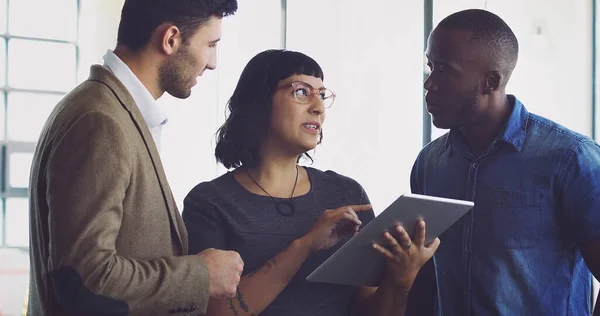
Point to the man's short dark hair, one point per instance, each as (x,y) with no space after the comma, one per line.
(239,139)
(139,18)
(489,31)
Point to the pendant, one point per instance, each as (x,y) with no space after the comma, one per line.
(285,208)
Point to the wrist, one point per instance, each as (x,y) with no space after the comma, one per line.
(304,243)
(400,285)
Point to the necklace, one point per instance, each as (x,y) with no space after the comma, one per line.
(285,208)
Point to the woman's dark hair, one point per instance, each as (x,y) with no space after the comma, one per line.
(240,137)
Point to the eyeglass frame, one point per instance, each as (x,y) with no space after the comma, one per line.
(312,92)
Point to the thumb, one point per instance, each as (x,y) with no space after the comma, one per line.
(433,246)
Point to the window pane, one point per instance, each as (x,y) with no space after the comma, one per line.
(52,68)
(1,223)
(19,164)
(2,60)
(3,16)
(33,108)
(17,222)
(2,111)
(14,280)
(26,16)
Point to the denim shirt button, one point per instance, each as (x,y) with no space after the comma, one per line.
(475,165)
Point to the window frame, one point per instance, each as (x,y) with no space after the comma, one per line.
(8,146)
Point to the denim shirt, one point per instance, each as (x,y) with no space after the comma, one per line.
(536,191)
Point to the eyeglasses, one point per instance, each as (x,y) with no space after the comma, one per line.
(303,92)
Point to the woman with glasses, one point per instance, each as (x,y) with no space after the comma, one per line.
(284,219)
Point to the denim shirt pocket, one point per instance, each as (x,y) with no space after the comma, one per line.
(516,218)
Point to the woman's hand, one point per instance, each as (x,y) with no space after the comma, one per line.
(404,256)
(333,225)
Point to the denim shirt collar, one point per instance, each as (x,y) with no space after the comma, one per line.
(514,131)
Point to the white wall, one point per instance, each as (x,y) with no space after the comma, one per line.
(553,75)
(372,59)
(98,25)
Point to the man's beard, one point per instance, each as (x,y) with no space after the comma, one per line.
(176,75)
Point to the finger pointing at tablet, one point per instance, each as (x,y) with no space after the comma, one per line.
(335,224)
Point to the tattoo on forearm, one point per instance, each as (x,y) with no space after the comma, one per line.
(265,269)
(232,307)
(268,266)
(240,299)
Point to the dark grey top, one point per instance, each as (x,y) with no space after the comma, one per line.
(222,214)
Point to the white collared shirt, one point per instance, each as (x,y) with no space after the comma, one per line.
(154,116)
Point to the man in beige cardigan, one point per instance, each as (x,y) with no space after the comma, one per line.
(106,235)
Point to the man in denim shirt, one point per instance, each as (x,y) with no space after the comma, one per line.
(526,246)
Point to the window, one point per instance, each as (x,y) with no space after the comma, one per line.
(39,55)
(19,109)
(26,18)
(2,61)
(595,67)
(38,65)
(17,219)
(3,5)
(54,70)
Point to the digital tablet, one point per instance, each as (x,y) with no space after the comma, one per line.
(357,263)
